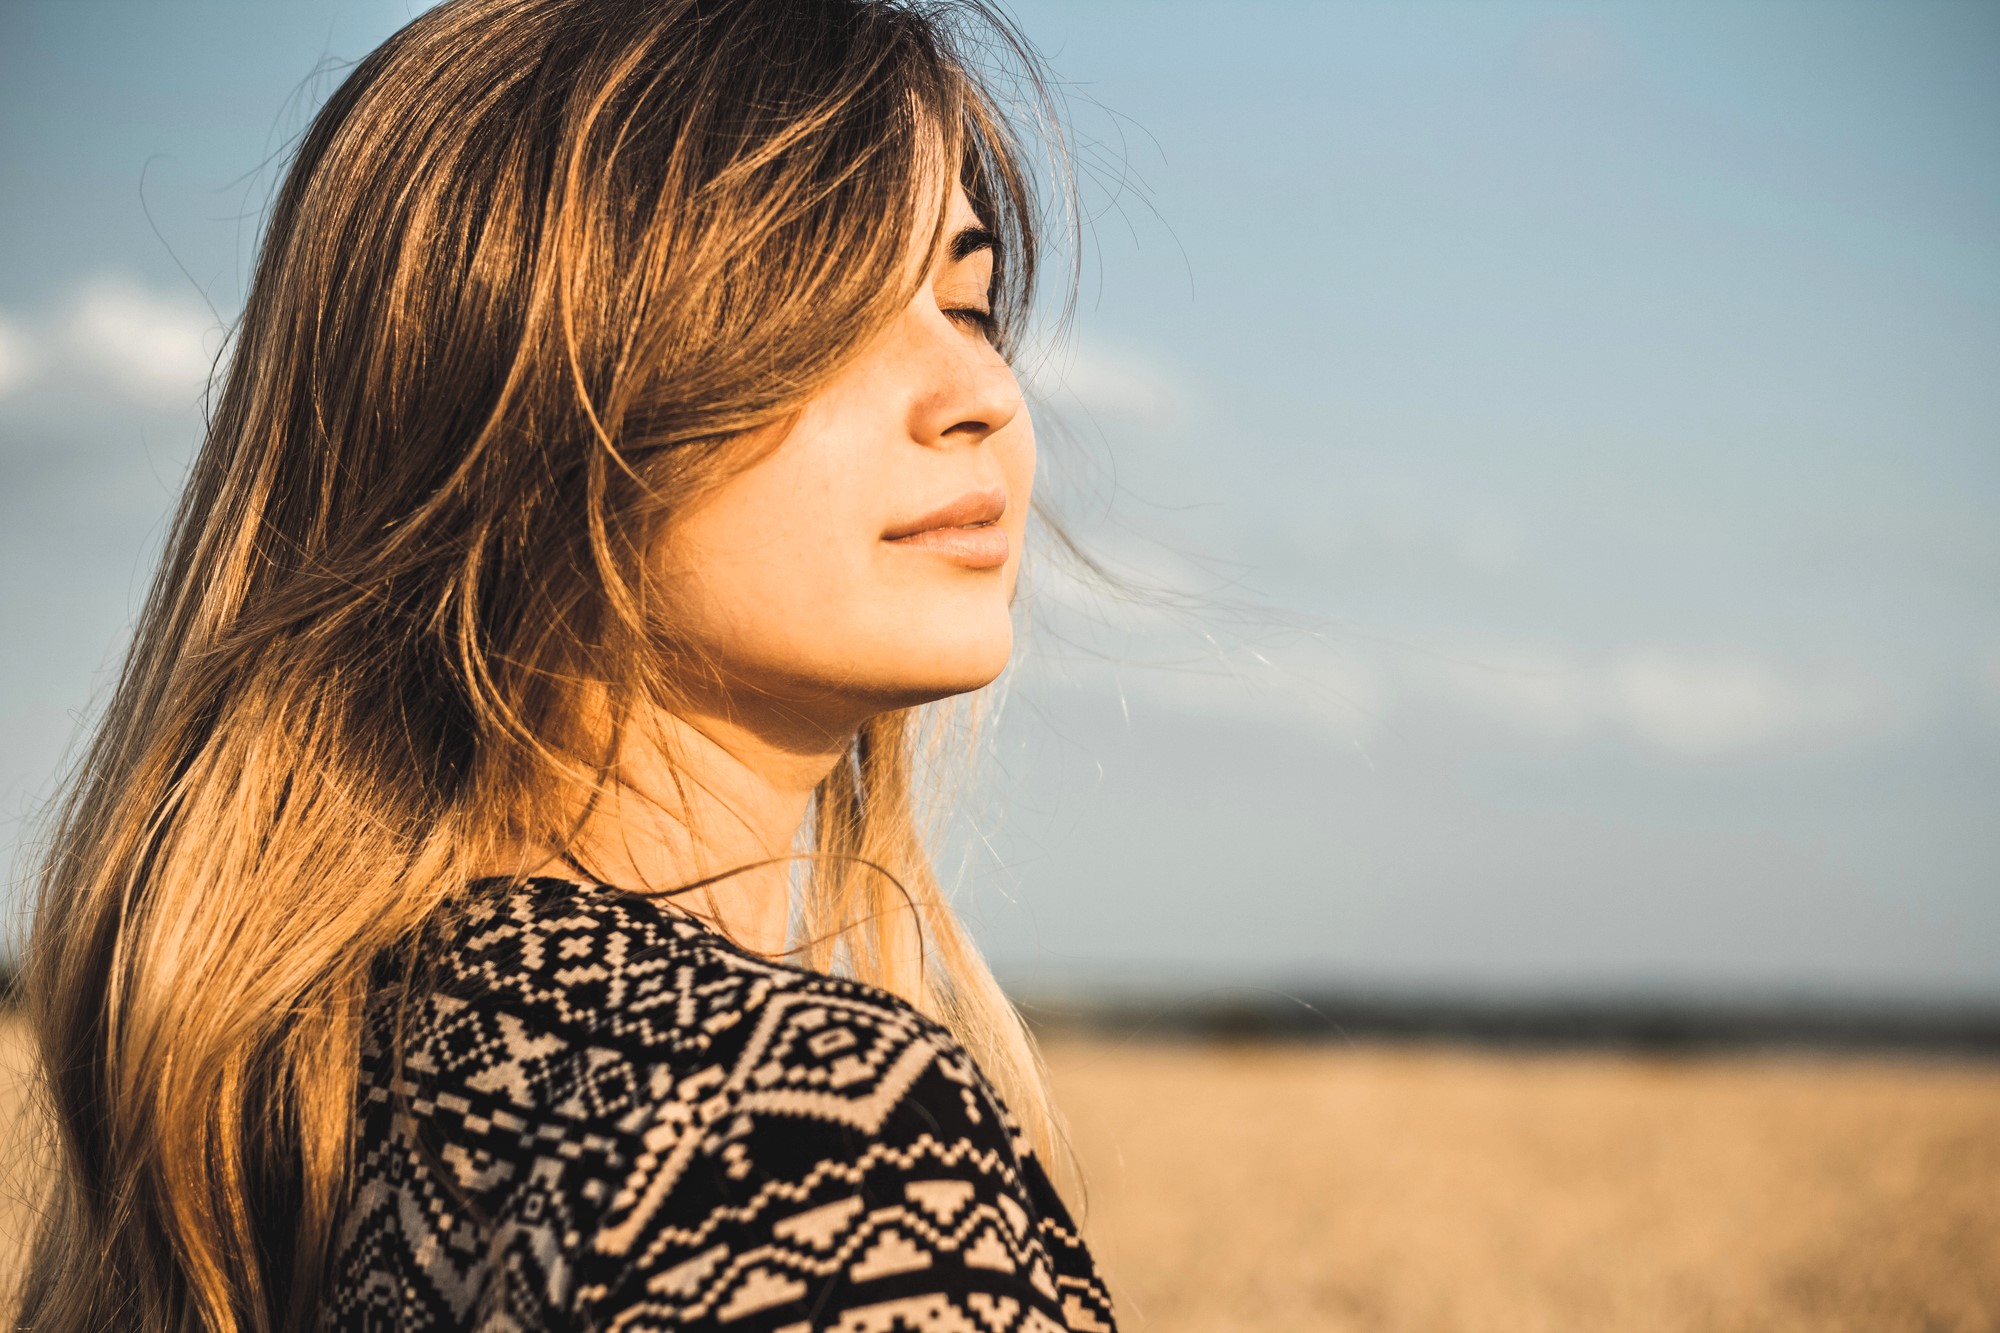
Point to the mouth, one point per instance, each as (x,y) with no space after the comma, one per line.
(966,531)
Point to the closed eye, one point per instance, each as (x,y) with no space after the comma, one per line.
(974,317)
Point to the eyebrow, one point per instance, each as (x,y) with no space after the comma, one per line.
(971,240)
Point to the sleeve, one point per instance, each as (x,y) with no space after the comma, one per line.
(847,1170)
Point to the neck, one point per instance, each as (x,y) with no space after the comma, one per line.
(694,798)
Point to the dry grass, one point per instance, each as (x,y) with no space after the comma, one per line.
(1396,1190)
(1403,1189)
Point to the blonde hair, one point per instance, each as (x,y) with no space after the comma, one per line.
(538,267)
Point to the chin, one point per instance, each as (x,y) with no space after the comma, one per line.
(880,665)
(922,673)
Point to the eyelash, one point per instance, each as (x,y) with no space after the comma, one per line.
(983,320)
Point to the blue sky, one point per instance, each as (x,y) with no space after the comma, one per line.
(1577,426)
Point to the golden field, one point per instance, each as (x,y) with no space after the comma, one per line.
(1307,1189)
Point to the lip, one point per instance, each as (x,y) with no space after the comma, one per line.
(966,531)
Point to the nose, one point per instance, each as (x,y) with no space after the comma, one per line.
(964,389)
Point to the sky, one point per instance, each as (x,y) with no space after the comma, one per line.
(1550,455)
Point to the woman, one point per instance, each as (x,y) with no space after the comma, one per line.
(619,448)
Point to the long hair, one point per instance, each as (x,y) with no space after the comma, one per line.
(537,270)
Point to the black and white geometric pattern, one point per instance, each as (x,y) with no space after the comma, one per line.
(609,1117)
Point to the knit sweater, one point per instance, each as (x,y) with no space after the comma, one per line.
(608,1116)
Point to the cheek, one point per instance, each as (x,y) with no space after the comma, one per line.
(755,577)
(781,580)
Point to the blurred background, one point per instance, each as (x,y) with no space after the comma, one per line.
(1551,453)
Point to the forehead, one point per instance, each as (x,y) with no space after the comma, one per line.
(959,212)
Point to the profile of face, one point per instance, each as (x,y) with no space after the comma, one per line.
(867,560)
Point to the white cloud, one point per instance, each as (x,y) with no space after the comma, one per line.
(1678,701)
(156,347)
(1107,382)
(1681,702)
(19,362)
(1696,706)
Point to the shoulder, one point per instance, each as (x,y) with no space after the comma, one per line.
(817,1154)
(633,980)
(722,1139)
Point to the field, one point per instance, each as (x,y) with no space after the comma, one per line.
(1308,1189)
(1399,1190)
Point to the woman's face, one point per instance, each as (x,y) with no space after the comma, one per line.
(868,560)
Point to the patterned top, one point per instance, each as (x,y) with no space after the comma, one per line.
(610,1117)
